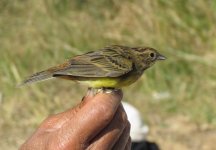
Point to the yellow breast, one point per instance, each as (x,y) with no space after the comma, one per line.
(117,82)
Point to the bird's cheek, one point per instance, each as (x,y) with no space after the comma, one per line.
(152,63)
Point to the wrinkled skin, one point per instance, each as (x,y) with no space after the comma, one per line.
(98,122)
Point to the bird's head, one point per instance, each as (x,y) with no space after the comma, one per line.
(147,56)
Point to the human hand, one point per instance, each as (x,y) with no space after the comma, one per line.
(99,123)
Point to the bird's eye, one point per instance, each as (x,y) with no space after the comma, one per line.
(152,55)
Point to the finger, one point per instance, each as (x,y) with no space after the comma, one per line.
(56,121)
(90,119)
(110,135)
(97,113)
(123,140)
(128,145)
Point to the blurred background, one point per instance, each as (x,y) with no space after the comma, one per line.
(176,97)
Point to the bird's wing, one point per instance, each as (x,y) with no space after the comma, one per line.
(104,63)
(108,62)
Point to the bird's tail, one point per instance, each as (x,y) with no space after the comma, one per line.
(39,76)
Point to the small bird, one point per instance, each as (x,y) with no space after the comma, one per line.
(112,67)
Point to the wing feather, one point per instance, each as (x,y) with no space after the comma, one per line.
(104,63)
(107,62)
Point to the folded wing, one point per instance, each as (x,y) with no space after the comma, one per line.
(105,63)
(108,62)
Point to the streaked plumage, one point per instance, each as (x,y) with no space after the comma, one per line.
(113,66)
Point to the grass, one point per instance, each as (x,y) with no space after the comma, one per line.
(35,35)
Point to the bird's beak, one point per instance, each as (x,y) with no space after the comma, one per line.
(161,57)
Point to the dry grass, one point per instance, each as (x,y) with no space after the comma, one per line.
(38,34)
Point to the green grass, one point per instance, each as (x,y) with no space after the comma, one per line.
(35,35)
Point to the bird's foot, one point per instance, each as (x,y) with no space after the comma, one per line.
(91,92)
(108,90)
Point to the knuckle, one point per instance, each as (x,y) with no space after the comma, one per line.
(124,116)
(49,121)
(128,126)
(50,118)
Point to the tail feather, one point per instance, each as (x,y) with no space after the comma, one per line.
(39,76)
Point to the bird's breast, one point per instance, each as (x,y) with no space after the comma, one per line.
(114,82)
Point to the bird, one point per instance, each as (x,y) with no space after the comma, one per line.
(111,67)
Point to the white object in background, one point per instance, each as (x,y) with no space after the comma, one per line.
(139,130)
